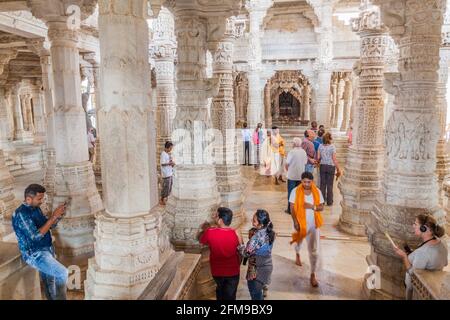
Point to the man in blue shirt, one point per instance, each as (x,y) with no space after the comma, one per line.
(32,230)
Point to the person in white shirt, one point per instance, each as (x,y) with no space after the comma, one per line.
(167,165)
(307,203)
(91,144)
(246,137)
(295,166)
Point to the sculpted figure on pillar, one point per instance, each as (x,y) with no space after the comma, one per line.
(412,132)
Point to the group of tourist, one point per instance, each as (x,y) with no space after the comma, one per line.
(227,248)
(315,153)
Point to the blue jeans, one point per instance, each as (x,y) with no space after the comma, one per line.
(53,274)
(255,288)
(291,184)
(309,167)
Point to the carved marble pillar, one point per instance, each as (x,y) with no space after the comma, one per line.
(19,131)
(4,121)
(334,97)
(29,121)
(412,133)
(339,106)
(47,84)
(347,103)
(355,93)
(38,112)
(73,175)
(323,65)
(7,199)
(8,202)
(442,156)
(163,51)
(228,176)
(255,113)
(129,242)
(306,102)
(194,195)
(6,127)
(97,165)
(268,105)
(361,182)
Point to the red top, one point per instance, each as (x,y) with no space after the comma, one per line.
(223,257)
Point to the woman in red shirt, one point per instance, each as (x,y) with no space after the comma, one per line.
(224,258)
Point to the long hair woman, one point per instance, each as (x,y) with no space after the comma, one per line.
(259,251)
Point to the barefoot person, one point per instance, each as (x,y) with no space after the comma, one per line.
(306,203)
(167,165)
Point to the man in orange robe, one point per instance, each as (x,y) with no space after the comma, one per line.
(306,202)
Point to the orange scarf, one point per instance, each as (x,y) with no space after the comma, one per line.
(300,212)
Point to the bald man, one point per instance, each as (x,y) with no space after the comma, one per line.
(308,146)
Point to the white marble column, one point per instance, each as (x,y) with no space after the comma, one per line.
(19,131)
(255,111)
(361,182)
(73,175)
(306,102)
(38,112)
(323,65)
(130,244)
(194,196)
(339,107)
(347,103)
(412,132)
(163,51)
(442,156)
(227,165)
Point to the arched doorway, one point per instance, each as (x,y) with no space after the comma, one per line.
(287,99)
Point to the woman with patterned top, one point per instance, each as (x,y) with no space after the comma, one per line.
(259,252)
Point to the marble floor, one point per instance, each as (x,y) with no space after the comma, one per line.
(343,262)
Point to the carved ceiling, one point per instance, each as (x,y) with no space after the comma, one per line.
(283,10)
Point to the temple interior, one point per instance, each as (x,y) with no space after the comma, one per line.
(145,72)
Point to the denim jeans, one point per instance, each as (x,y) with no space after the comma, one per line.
(256,289)
(309,168)
(291,184)
(247,152)
(326,182)
(53,274)
(226,287)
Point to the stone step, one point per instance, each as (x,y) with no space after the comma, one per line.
(18,281)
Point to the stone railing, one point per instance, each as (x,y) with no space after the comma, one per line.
(431,285)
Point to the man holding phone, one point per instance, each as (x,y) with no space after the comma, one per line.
(32,230)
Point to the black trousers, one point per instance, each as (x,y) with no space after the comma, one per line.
(246,152)
(226,287)
(326,182)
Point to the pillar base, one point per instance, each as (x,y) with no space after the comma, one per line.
(128,254)
(359,188)
(74,233)
(193,201)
